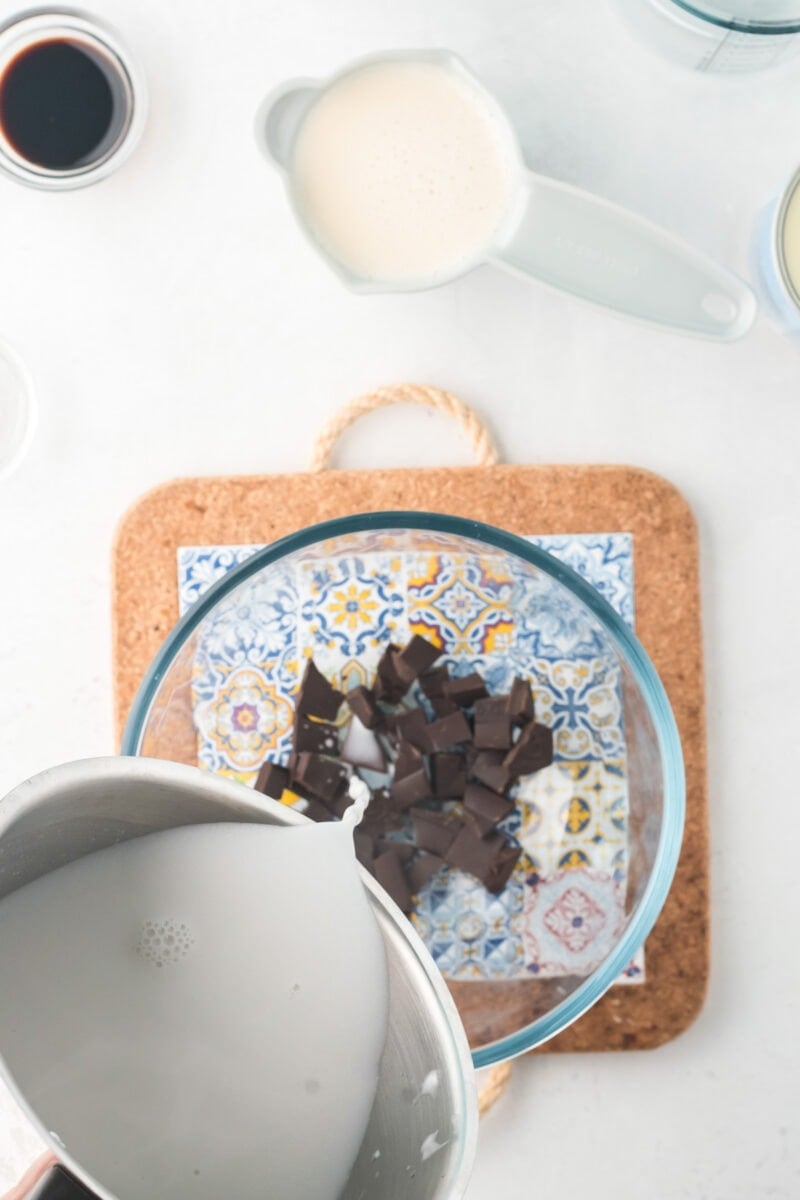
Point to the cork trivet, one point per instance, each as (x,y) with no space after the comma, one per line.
(523,500)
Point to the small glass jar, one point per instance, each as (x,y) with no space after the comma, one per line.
(26,31)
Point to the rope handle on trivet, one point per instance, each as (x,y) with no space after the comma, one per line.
(405,393)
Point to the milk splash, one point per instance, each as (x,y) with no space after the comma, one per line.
(201,1012)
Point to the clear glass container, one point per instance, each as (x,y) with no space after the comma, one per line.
(22,32)
(719,36)
(600,829)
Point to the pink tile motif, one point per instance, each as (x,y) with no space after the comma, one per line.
(571,921)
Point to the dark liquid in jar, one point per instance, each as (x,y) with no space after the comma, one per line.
(57,104)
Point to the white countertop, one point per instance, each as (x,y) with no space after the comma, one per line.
(176,323)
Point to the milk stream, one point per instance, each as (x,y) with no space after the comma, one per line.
(403,172)
(201,1012)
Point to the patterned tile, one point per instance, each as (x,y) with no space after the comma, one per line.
(571,921)
(564,901)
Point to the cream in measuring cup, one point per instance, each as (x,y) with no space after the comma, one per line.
(405,172)
(402,173)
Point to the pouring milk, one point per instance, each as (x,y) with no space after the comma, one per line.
(200,1012)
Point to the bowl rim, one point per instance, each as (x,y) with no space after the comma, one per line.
(627,644)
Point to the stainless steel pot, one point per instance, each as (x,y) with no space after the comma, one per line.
(71,810)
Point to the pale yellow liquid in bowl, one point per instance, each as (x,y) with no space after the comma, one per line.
(791,240)
(403,171)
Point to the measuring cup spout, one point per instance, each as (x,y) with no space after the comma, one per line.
(586,245)
(279,117)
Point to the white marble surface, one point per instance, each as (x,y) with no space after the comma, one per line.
(176,323)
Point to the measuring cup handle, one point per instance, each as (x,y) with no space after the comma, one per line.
(279,117)
(588,246)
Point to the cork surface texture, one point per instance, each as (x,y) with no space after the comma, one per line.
(524,500)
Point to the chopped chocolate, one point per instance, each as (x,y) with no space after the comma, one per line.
(489,859)
(433,682)
(449,731)
(394,678)
(381,815)
(412,727)
(443,707)
(487,807)
(422,870)
(533,751)
(404,850)
(317,697)
(435,831)
(487,767)
(412,785)
(315,810)
(520,702)
(419,655)
(362,704)
(449,775)
(318,737)
(325,778)
(392,878)
(466,689)
(272,780)
(492,726)
(408,762)
(507,858)
(340,804)
(365,848)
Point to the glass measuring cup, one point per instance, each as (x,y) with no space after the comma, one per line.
(551,231)
(719,36)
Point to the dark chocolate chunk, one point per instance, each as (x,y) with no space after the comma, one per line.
(466,689)
(412,727)
(404,850)
(487,767)
(392,878)
(492,726)
(317,697)
(433,682)
(317,737)
(365,848)
(393,678)
(435,831)
(315,810)
(449,776)
(520,702)
(422,870)
(507,858)
(419,655)
(412,787)
(443,707)
(408,762)
(381,815)
(272,780)
(362,704)
(533,751)
(449,731)
(487,807)
(489,859)
(325,778)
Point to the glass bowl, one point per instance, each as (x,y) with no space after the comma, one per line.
(600,829)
